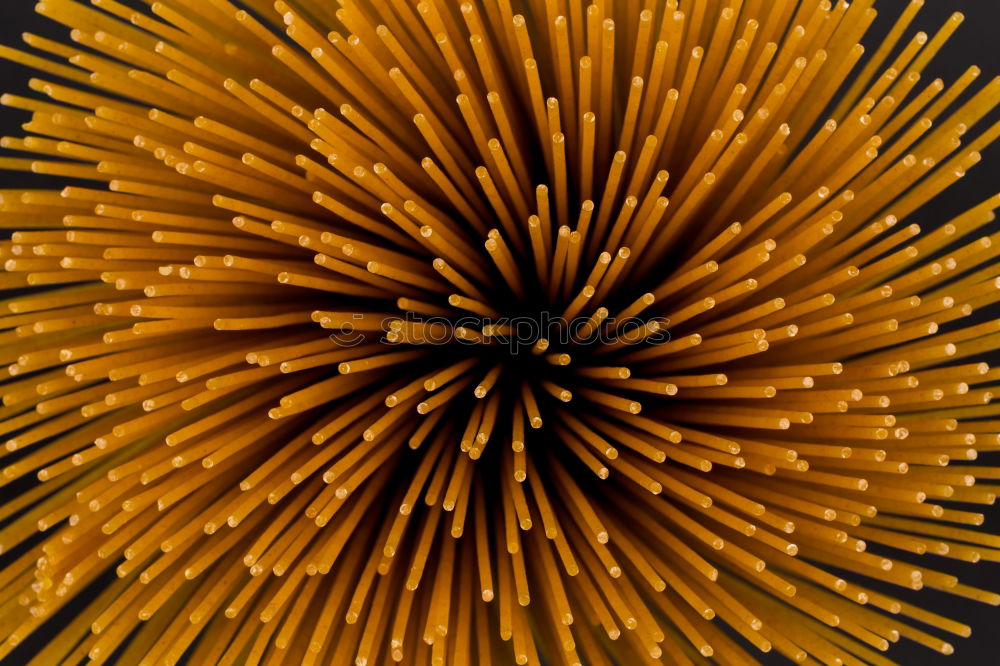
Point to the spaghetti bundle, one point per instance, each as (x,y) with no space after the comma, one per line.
(385,331)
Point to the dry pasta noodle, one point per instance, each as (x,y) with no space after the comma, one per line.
(270,398)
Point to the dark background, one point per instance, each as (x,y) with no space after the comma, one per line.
(976,42)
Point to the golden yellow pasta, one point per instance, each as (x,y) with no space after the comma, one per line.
(509,331)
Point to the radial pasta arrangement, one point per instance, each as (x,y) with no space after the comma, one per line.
(508,331)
